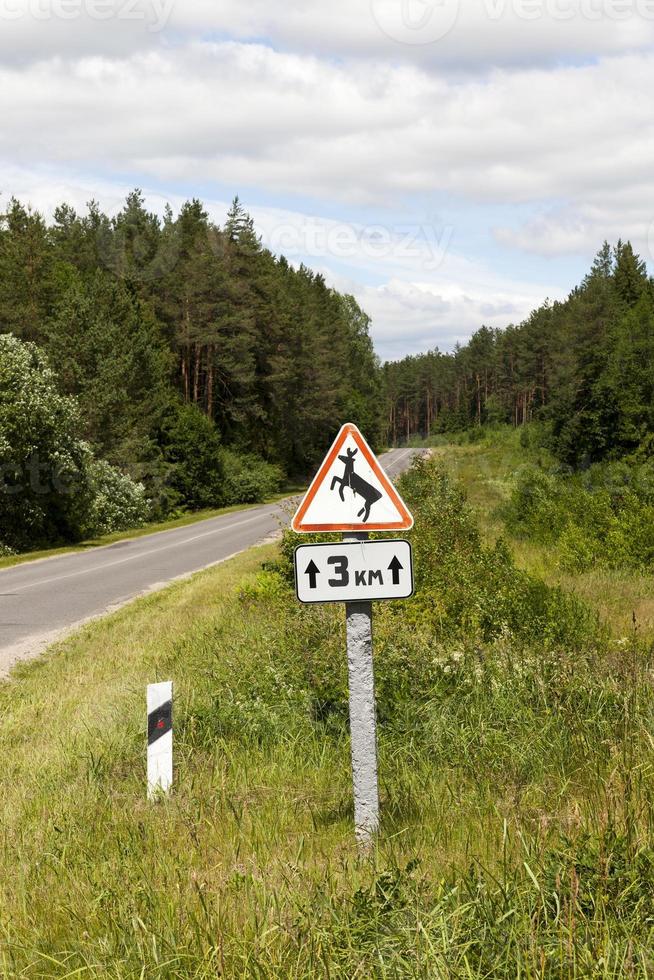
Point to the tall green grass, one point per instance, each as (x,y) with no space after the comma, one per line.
(516,780)
(603,516)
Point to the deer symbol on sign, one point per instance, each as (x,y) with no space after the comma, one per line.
(356,484)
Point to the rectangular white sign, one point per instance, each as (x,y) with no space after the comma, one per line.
(348,571)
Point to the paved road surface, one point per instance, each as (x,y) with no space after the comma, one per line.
(41,600)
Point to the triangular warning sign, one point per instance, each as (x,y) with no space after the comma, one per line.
(351,492)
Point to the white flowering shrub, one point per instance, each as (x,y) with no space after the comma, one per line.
(118,502)
(52,490)
(44,490)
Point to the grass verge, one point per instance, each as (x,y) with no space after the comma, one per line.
(516,780)
(487,470)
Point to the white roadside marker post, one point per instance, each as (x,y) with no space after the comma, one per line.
(160,737)
(352,495)
(363,721)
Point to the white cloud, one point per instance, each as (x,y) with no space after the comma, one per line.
(454,35)
(409,317)
(248,116)
(580,227)
(329,105)
(458,35)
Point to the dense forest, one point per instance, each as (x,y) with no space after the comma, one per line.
(182,356)
(584,367)
(149,365)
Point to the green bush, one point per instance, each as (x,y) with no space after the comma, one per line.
(537,507)
(203,473)
(476,591)
(118,503)
(191,445)
(248,478)
(603,516)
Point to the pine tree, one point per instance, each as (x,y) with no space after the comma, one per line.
(27,283)
(630,274)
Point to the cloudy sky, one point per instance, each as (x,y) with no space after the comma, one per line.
(451,164)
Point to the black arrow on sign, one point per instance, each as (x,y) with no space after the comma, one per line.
(312,571)
(395,567)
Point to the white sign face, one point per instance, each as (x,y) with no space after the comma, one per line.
(347,571)
(351,492)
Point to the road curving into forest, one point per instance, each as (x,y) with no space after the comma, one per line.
(41,601)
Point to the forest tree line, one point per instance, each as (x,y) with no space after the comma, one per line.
(176,337)
(173,363)
(584,366)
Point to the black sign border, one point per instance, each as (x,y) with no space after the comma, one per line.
(352,544)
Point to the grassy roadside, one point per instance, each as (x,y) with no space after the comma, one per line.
(516,783)
(487,471)
(184,521)
(93,880)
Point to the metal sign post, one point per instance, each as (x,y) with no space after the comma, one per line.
(352,494)
(363,721)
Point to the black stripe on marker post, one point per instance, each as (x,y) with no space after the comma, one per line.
(160,722)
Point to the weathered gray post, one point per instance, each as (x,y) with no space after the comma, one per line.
(357,575)
(363,722)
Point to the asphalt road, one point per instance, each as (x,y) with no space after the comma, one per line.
(42,600)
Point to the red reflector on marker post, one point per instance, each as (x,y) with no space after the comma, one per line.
(160,737)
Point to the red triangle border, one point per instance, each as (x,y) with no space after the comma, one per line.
(349,429)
